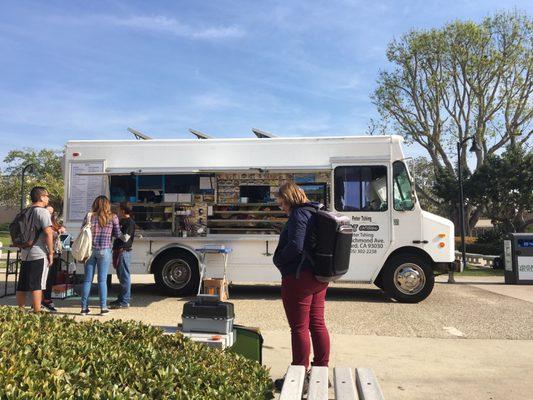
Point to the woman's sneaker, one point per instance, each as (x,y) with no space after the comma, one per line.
(85,311)
(49,306)
(104,311)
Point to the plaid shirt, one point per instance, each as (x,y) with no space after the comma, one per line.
(102,236)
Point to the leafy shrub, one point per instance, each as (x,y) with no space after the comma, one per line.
(490,246)
(47,357)
(492,236)
(468,240)
(487,249)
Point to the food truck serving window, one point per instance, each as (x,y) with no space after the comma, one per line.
(123,188)
(361,188)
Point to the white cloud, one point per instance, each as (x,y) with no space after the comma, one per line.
(173,26)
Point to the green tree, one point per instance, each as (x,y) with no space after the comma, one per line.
(504,186)
(463,80)
(424,177)
(47,172)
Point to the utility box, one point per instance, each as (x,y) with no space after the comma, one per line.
(518,252)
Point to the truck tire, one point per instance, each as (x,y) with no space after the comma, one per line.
(408,278)
(379,282)
(176,273)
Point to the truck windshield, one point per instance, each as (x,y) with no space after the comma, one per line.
(403,189)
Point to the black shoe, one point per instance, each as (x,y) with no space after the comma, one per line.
(278,383)
(85,311)
(49,306)
(116,304)
(104,311)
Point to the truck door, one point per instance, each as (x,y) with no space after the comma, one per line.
(361,193)
(406,211)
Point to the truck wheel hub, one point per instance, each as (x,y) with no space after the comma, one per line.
(409,278)
(176,274)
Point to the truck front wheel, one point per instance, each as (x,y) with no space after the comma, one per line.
(408,278)
(176,273)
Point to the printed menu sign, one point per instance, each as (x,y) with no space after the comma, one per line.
(84,188)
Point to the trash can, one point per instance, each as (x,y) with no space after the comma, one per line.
(518,253)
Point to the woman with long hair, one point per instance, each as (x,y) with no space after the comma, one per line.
(104,226)
(303,296)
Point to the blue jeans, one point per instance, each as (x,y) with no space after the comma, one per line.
(124,276)
(100,259)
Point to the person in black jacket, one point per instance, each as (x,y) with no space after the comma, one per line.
(303,296)
(122,257)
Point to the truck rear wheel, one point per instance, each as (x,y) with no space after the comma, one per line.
(176,273)
(408,278)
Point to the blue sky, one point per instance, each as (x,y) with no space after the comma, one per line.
(88,70)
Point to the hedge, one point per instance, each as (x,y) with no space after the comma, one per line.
(479,247)
(47,357)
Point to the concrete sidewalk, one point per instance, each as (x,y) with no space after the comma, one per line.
(494,284)
(426,368)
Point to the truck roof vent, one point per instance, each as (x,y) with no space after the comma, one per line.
(139,135)
(262,134)
(200,135)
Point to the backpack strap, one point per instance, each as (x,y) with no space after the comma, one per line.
(88,218)
(31,209)
(304,253)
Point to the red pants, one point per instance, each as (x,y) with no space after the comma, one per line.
(303,300)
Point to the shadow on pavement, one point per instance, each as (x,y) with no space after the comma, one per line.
(144,294)
(472,283)
(270,292)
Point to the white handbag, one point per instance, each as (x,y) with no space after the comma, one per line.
(83,245)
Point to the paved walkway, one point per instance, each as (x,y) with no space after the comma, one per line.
(495,284)
(425,368)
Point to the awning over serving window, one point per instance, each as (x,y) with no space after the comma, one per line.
(170,171)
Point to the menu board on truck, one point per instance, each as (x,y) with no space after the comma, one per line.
(84,187)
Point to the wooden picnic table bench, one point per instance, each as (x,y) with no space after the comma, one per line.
(347,386)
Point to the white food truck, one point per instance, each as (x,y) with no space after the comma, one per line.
(188,193)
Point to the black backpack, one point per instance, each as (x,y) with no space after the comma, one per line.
(328,245)
(23,229)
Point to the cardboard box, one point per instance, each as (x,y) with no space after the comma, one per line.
(218,287)
(62,291)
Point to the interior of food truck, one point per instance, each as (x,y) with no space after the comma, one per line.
(239,202)
(229,202)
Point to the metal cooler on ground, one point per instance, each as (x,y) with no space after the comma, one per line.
(208,314)
(210,321)
(518,251)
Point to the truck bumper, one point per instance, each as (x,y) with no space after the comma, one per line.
(445,267)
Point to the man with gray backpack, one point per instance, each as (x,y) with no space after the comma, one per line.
(31,231)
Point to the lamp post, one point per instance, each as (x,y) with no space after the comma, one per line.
(29,168)
(475,147)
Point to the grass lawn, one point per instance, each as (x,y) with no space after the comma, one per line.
(473,271)
(4,238)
